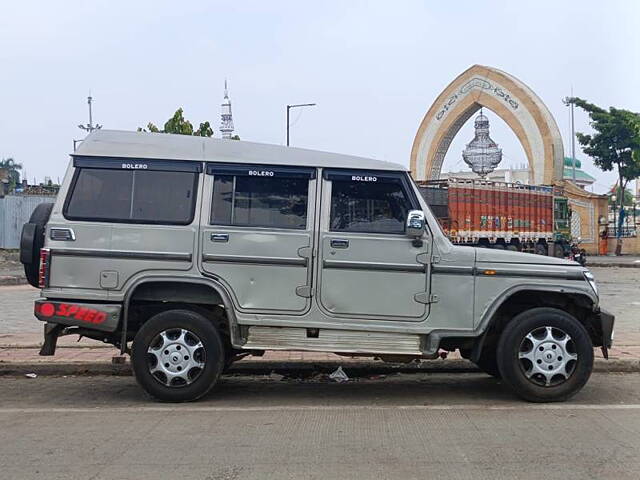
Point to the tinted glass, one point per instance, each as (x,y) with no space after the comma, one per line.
(133,196)
(277,202)
(165,197)
(376,207)
(101,194)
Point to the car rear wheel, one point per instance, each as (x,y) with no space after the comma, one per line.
(177,356)
(545,355)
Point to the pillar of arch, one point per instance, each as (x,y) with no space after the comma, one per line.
(507,97)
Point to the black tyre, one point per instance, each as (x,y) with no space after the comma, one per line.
(32,240)
(540,249)
(558,251)
(488,362)
(512,248)
(498,246)
(545,355)
(177,356)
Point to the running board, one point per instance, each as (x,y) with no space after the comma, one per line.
(324,340)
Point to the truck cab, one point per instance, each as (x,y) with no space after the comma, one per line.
(190,253)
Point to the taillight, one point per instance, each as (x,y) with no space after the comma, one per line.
(43,272)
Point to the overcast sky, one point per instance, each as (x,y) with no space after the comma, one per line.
(374,68)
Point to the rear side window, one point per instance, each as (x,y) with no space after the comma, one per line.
(133,196)
(260,196)
(376,205)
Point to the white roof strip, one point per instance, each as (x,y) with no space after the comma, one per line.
(123,144)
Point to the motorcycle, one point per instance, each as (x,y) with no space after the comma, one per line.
(577,254)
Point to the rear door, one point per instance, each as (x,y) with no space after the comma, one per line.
(258,235)
(123,217)
(368,267)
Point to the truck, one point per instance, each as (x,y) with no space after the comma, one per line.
(190,253)
(499,215)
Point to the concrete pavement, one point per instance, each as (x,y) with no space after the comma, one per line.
(399,427)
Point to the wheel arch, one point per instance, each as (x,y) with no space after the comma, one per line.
(510,303)
(180,291)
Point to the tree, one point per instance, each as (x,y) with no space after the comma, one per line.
(615,144)
(178,125)
(616,190)
(13,171)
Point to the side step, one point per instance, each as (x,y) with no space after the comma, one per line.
(324,340)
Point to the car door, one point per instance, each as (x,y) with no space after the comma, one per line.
(259,235)
(368,267)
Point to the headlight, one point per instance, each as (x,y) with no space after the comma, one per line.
(592,281)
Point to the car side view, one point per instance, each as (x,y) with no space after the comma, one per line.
(190,253)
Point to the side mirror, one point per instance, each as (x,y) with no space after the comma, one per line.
(415,223)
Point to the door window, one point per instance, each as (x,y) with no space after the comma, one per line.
(133,196)
(370,204)
(272,199)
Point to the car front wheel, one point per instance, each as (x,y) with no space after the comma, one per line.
(177,356)
(545,355)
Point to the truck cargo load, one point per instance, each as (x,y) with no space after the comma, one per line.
(494,214)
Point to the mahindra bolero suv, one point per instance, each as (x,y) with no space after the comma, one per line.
(189,253)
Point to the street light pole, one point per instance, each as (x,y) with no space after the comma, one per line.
(569,101)
(289,107)
(90,127)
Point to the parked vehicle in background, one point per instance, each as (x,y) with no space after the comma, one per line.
(578,254)
(190,253)
(516,217)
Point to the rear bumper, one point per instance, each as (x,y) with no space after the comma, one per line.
(93,316)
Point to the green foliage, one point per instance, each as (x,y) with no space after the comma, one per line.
(178,125)
(616,141)
(627,199)
(235,137)
(13,171)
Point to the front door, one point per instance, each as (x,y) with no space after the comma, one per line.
(258,240)
(368,266)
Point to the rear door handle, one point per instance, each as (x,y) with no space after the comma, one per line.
(339,243)
(219,237)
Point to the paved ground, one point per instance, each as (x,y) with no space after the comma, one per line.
(624,260)
(401,427)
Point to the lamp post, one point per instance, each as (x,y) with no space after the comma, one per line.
(289,107)
(90,127)
(569,101)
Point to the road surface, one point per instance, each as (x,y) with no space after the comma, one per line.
(400,427)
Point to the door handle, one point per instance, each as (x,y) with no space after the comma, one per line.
(339,243)
(219,237)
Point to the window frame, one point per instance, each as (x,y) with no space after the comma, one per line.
(331,174)
(243,169)
(112,163)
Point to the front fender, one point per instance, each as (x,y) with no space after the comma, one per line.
(489,316)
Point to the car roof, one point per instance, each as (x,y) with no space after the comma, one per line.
(144,145)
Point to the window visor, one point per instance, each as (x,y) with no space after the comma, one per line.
(137,164)
(265,171)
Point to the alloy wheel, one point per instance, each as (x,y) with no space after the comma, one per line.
(176,357)
(547,356)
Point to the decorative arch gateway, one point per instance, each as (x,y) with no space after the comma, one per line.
(511,100)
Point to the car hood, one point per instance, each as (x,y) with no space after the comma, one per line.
(507,256)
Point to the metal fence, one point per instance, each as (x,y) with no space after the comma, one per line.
(15,211)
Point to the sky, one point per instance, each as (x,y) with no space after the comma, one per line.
(373,67)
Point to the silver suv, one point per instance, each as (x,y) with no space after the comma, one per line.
(190,253)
